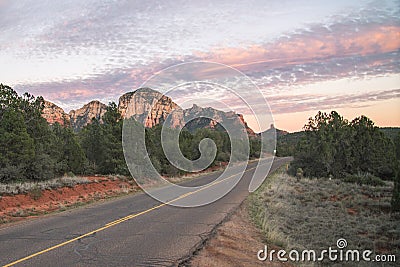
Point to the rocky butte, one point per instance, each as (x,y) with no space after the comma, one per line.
(53,113)
(150,108)
(83,116)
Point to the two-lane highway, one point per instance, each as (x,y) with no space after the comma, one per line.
(134,230)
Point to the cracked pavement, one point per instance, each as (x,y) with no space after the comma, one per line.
(161,237)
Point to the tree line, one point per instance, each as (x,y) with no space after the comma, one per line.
(31,149)
(332,146)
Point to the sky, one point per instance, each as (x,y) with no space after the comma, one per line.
(303,56)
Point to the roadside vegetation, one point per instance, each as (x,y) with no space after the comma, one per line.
(23,200)
(46,168)
(333,146)
(26,187)
(354,151)
(343,183)
(313,213)
(31,150)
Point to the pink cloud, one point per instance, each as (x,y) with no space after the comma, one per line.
(309,47)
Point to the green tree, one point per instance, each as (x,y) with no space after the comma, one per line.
(372,151)
(9,99)
(255,147)
(41,164)
(397,146)
(16,146)
(396,192)
(44,164)
(92,141)
(333,146)
(43,151)
(324,149)
(396,188)
(112,130)
(102,143)
(71,156)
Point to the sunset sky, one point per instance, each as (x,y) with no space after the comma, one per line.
(303,55)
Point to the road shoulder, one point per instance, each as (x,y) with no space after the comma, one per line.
(234,243)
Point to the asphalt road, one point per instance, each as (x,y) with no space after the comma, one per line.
(149,234)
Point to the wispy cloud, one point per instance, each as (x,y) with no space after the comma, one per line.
(72,52)
(298,59)
(318,44)
(298,103)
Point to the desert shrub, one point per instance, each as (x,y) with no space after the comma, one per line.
(314,213)
(396,193)
(364,179)
(299,173)
(35,193)
(223,156)
(10,173)
(26,187)
(70,174)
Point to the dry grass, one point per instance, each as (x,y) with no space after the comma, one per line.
(235,243)
(314,213)
(27,187)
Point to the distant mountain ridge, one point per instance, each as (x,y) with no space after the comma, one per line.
(76,119)
(150,108)
(279,133)
(137,104)
(198,117)
(81,117)
(53,113)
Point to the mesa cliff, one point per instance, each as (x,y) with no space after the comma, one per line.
(150,108)
(53,113)
(81,117)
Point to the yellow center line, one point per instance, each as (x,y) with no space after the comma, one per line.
(113,223)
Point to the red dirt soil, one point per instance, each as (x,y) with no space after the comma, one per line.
(21,206)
